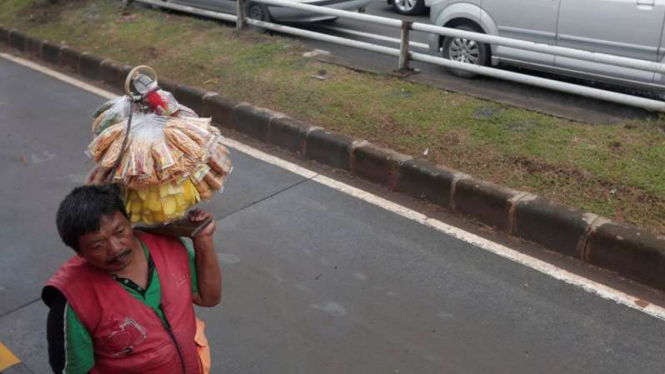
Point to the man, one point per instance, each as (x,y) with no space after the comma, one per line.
(124,303)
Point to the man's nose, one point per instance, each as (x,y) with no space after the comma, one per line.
(115,247)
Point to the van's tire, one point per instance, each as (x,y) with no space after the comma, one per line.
(409,7)
(258,12)
(465,50)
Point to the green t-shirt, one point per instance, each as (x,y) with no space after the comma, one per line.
(79,349)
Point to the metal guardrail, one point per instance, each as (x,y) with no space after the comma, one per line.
(405,55)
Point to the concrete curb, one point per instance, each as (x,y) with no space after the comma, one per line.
(330,149)
(624,249)
(427,181)
(253,121)
(219,109)
(34,47)
(289,134)
(4,35)
(69,58)
(191,97)
(51,53)
(90,66)
(378,165)
(17,40)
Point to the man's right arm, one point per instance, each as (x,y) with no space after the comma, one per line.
(69,343)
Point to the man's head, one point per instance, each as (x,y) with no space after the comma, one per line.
(92,220)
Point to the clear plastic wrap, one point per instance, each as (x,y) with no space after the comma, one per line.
(170,159)
(110,113)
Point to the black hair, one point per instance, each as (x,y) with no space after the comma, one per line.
(81,211)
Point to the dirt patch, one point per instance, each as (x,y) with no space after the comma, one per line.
(47,10)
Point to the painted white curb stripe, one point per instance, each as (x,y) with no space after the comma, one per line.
(586,284)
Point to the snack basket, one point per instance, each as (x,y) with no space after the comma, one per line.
(165,158)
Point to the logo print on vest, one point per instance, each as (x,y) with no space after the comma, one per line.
(123,337)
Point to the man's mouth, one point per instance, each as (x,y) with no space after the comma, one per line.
(119,258)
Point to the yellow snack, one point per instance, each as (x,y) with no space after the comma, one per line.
(154,202)
(169,204)
(189,191)
(143,194)
(136,205)
(164,190)
(159,217)
(135,217)
(147,219)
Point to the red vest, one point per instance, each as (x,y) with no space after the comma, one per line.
(127,335)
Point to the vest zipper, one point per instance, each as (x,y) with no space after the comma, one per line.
(177,346)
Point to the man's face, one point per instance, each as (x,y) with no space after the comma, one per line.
(112,247)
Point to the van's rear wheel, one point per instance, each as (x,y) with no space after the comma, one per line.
(467,51)
(409,7)
(258,12)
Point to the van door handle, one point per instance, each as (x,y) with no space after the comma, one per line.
(646,2)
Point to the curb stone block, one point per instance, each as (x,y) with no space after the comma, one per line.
(378,165)
(4,35)
(253,121)
(423,179)
(90,66)
(17,40)
(554,226)
(164,84)
(124,72)
(33,46)
(109,72)
(289,134)
(220,109)
(69,58)
(329,149)
(51,53)
(191,97)
(487,202)
(632,253)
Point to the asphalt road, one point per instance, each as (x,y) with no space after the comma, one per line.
(315,281)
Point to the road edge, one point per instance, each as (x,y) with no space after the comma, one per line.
(627,250)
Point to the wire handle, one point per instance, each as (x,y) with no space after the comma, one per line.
(133,73)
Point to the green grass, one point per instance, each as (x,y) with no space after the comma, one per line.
(616,170)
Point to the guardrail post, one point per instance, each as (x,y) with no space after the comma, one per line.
(240,14)
(404,46)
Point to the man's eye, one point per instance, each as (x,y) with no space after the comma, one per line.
(121,230)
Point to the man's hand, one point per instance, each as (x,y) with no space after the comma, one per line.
(208,271)
(199,215)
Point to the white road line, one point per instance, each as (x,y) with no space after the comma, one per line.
(376,37)
(587,285)
(262,156)
(60,76)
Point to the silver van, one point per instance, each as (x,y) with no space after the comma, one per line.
(629,28)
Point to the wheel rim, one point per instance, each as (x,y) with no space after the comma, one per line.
(255,12)
(464,50)
(405,5)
